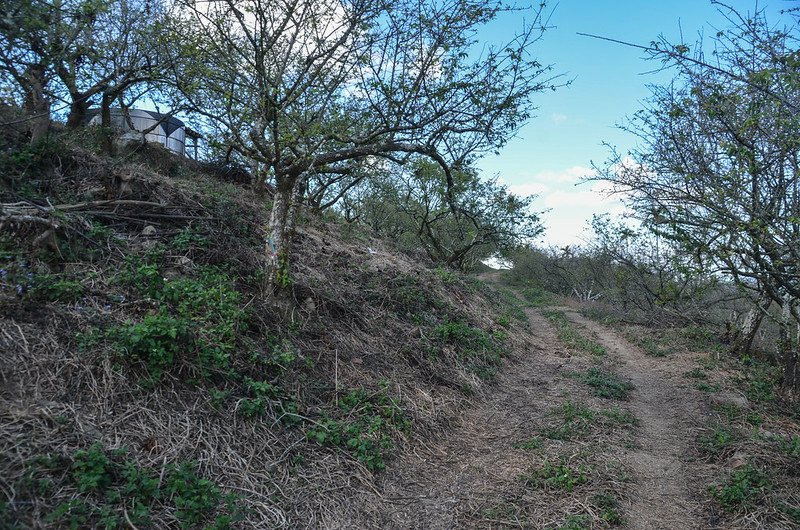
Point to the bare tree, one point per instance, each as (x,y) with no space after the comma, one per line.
(717,165)
(411,204)
(308,87)
(78,52)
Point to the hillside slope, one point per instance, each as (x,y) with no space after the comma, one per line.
(151,380)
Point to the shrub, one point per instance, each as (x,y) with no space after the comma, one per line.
(156,341)
(199,318)
(55,289)
(113,490)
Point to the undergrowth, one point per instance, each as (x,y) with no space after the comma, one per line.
(560,474)
(741,489)
(576,421)
(363,424)
(105,488)
(571,336)
(481,352)
(604,384)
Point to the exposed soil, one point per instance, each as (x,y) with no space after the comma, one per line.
(470,476)
(445,484)
(668,412)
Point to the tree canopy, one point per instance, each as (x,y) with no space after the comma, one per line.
(308,89)
(716,169)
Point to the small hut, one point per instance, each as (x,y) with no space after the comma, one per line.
(157,128)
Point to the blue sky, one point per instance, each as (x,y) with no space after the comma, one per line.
(609,83)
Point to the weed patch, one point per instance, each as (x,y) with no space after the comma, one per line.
(570,336)
(363,424)
(651,345)
(731,413)
(576,522)
(607,385)
(54,288)
(480,351)
(512,306)
(198,319)
(741,489)
(536,297)
(111,491)
(621,417)
(530,444)
(577,421)
(505,511)
(701,339)
(446,275)
(608,508)
(558,475)
(760,380)
(697,373)
(718,442)
(409,297)
(789,445)
(706,387)
(19,278)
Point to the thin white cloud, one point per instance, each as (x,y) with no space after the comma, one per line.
(568,175)
(595,197)
(557,118)
(571,210)
(568,204)
(529,188)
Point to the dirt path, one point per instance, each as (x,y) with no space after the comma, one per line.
(446,485)
(470,478)
(668,413)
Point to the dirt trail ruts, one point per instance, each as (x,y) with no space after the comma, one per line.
(668,413)
(448,482)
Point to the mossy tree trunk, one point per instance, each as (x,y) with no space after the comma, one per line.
(285,209)
(36,104)
(789,348)
(742,337)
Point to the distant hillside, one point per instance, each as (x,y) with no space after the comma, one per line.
(151,380)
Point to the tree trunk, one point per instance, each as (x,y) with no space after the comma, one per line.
(107,140)
(36,105)
(743,336)
(789,349)
(77,111)
(285,207)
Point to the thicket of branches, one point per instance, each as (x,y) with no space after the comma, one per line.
(715,183)
(717,173)
(313,95)
(379,111)
(638,274)
(411,205)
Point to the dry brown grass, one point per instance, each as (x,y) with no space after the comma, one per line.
(357,314)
